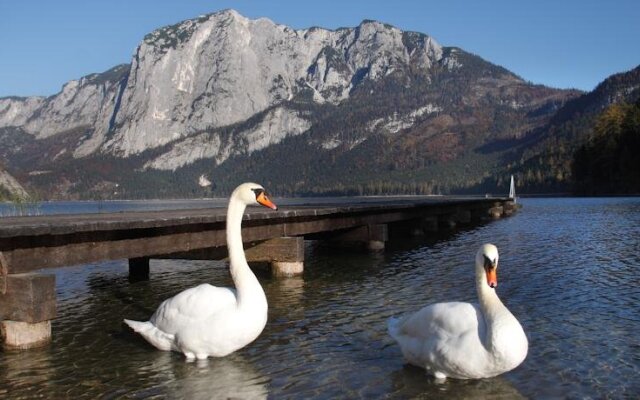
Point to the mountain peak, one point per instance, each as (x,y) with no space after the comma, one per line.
(377,25)
(218,87)
(229,12)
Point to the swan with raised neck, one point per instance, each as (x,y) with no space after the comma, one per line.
(465,340)
(215,321)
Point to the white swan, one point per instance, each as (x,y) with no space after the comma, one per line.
(215,321)
(464,340)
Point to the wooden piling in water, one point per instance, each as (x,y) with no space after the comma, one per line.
(27,306)
(284,254)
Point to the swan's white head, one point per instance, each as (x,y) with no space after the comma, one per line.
(253,194)
(487,264)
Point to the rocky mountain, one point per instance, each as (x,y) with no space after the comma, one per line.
(353,110)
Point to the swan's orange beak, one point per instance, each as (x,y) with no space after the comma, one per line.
(491,270)
(492,277)
(264,200)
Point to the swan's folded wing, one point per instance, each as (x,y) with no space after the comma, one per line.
(444,320)
(441,337)
(193,304)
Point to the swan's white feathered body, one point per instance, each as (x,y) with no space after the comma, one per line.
(214,321)
(464,340)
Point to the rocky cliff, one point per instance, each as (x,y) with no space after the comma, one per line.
(224,89)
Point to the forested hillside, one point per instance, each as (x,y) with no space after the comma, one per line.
(542,161)
(609,163)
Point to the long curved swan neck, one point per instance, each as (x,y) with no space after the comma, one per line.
(494,311)
(247,285)
(234,233)
(504,339)
(490,303)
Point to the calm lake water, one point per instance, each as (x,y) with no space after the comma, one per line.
(569,271)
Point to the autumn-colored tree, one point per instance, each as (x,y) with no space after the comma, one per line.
(608,163)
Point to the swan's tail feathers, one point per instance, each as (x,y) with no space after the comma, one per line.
(161,340)
(393,327)
(410,347)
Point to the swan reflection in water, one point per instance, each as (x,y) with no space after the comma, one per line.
(215,378)
(410,382)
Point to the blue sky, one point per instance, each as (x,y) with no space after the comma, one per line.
(561,43)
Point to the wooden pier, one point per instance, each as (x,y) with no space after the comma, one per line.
(29,244)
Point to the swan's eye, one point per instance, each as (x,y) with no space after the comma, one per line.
(258,191)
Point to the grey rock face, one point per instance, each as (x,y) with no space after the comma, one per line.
(16,111)
(215,71)
(87,102)
(275,126)
(224,68)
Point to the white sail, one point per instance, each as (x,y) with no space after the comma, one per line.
(512,190)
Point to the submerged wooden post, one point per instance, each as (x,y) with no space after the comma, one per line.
(285,254)
(27,306)
(138,269)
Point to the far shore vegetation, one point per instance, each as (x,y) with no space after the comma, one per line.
(609,162)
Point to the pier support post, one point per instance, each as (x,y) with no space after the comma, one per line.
(509,207)
(496,211)
(378,236)
(416,227)
(285,254)
(138,269)
(372,236)
(27,306)
(487,212)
